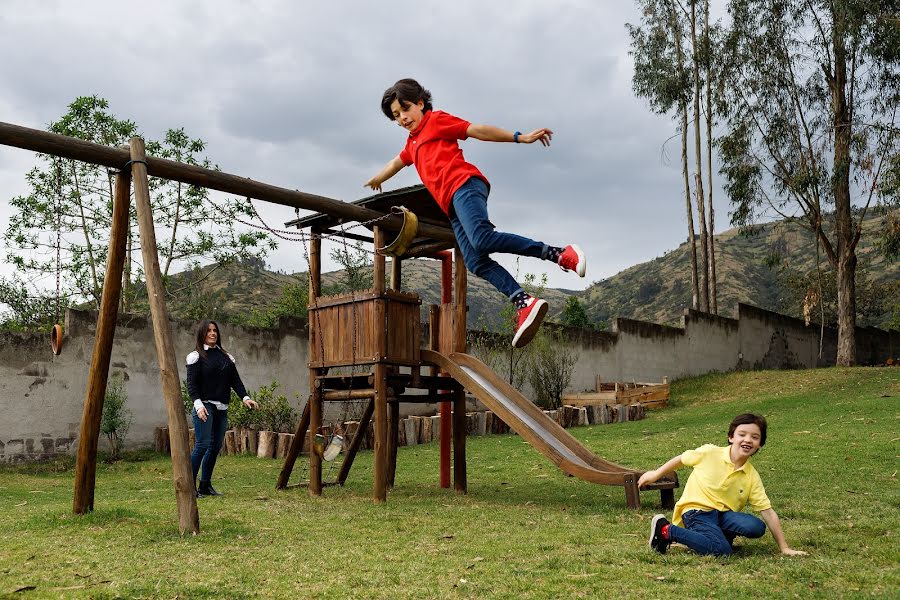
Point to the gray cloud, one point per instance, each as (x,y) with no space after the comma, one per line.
(288,93)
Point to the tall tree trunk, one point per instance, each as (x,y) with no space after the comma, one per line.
(703,271)
(713,286)
(846,252)
(692,240)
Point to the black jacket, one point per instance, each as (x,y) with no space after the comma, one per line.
(214,377)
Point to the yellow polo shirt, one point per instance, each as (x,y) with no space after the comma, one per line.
(716,485)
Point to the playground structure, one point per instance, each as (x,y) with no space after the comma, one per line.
(377,329)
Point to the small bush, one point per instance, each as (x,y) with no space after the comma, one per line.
(275,412)
(116,420)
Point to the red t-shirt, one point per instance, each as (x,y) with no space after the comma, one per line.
(434,149)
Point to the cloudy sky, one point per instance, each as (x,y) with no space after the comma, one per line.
(288,93)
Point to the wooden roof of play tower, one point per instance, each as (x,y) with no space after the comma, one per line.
(415,198)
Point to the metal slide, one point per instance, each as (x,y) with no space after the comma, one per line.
(546,435)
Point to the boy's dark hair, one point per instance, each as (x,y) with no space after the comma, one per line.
(201,337)
(749,419)
(405,91)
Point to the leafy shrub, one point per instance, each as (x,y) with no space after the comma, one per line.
(275,412)
(117,419)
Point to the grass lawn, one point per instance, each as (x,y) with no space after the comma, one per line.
(523,531)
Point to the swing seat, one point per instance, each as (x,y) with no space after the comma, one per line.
(400,245)
(56,339)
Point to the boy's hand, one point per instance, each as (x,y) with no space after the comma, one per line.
(374,183)
(542,135)
(792,552)
(648,477)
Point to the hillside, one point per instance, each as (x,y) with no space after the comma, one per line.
(658,290)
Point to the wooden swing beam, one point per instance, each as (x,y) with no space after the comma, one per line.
(117,158)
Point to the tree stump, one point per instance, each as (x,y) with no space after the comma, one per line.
(480,423)
(161,440)
(582,416)
(435,428)
(488,422)
(284,444)
(621,413)
(248,440)
(230,446)
(426,430)
(411,429)
(606,414)
(266,444)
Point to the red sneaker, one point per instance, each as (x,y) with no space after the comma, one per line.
(528,320)
(572,259)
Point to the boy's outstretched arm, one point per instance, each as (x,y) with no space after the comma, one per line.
(489,133)
(652,476)
(389,170)
(774,525)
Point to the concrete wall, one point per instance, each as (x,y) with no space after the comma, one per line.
(41,395)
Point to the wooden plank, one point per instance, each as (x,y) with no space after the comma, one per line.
(295,448)
(92,414)
(186,498)
(393,440)
(358,438)
(315,423)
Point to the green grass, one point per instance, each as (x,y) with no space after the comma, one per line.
(523,531)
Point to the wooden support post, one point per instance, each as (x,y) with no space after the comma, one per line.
(632,493)
(86,463)
(393,439)
(667,498)
(315,458)
(459,443)
(459,297)
(379,493)
(188,518)
(315,349)
(295,449)
(357,441)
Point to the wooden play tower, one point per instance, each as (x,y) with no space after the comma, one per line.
(378,330)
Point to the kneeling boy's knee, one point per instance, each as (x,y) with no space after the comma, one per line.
(756,530)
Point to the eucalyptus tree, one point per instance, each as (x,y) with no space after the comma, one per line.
(667,73)
(812,91)
(62,226)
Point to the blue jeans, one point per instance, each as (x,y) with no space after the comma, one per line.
(478,238)
(208,438)
(713,531)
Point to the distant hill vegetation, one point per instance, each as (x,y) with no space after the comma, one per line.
(772,268)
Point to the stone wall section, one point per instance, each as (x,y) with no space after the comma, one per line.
(41,395)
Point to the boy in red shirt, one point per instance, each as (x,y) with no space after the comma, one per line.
(462,190)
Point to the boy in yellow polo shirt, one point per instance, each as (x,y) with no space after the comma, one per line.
(708,515)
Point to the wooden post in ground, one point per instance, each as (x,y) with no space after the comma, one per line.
(188,518)
(393,433)
(381,369)
(86,463)
(459,401)
(315,349)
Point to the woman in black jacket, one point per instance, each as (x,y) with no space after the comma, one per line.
(211,375)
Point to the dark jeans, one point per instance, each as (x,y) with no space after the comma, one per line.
(208,438)
(713,531)
(478,238)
